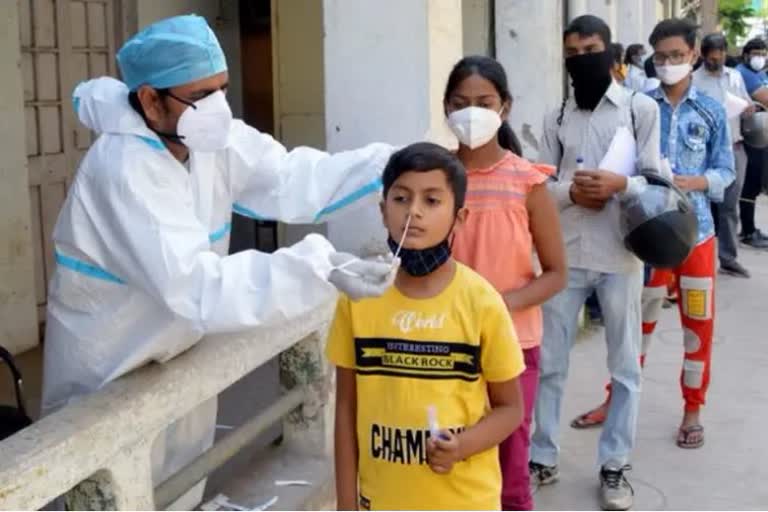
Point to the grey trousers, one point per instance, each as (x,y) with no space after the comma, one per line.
(727,219)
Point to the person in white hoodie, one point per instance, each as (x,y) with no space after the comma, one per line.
(141,242)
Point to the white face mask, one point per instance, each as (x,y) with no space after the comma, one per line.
(474,126)
(672,74)
(757,63)
(204,126)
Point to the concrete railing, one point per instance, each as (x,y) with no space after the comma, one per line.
(97,450)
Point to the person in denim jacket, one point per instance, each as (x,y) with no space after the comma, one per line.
(695,137)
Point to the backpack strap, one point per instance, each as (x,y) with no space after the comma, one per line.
(559,124)
(705,114)
(6,356)
(562,111)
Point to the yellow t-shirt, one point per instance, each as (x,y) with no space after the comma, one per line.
(410,354)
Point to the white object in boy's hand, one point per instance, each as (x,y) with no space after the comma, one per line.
(434,426)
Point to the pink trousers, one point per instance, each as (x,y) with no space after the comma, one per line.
(513,452)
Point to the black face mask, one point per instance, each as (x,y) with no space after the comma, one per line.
(591,76)
(422,262)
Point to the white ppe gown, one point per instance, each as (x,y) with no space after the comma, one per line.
(141,247)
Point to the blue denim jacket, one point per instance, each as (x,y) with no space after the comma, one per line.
(696,139)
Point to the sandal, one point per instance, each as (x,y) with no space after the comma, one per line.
(593,418)
(684,435)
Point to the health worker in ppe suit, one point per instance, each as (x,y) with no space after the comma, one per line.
(141,242)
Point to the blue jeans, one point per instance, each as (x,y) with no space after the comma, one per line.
(619,296)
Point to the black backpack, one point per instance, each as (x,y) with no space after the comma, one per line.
(13,419)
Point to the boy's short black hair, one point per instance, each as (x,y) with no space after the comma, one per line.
(754,44)
(424,157)
(713,42)
(589,25)
(675,27)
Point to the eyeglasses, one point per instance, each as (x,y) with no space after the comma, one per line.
(673,58)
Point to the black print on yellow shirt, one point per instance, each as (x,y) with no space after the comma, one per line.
(401,445)
(417,359)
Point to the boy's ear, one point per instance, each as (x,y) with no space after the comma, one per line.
(383,210)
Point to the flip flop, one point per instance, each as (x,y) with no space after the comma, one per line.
(684,434)
(594,418)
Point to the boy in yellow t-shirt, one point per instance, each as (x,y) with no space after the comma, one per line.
(440,340)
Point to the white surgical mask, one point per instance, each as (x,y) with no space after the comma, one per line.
(673,73)
(757,63)
(204,125)
(474,126)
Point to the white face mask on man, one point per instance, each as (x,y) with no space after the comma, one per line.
(475,126)
(673,73)
(205,124)
(757,63)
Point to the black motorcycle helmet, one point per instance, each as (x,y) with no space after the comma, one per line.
(659,224)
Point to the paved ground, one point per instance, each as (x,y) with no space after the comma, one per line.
(729,472)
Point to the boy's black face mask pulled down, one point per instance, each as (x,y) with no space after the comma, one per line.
(591,75)
(422,262)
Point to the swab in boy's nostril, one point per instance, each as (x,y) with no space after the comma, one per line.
(402,238)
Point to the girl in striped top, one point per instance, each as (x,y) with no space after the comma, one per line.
(511,215)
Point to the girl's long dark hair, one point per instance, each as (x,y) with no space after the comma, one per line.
(491,70)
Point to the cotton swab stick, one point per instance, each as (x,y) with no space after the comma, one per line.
(402,238)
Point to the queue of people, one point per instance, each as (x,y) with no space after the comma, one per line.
(452,353)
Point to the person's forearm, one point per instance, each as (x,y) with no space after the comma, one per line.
(761,96)
(491,430)
(346,460)
(716,181)
(538,291)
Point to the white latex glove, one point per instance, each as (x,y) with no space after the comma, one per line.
(360,279)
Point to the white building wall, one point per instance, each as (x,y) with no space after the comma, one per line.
(386,64)
(630,22)
(653,12)
(605,9)
(578,7)
(636,20)
(529,46)
(18,308)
